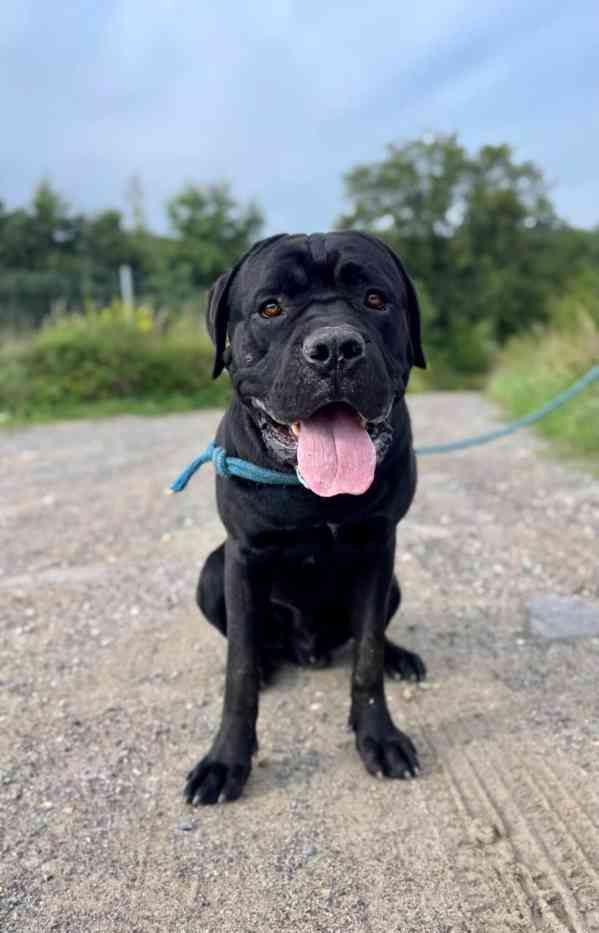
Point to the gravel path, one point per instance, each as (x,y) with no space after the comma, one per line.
(111,688)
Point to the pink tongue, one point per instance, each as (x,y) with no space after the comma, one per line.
(335,453)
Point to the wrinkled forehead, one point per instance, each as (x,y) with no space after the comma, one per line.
(296,262)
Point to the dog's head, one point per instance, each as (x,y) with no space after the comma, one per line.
(319,334)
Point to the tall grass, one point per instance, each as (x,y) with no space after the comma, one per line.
(534,368)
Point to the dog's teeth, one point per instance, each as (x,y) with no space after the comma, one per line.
(295,427)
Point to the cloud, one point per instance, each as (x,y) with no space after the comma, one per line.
(283,97)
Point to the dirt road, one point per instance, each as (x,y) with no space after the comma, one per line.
(111,689)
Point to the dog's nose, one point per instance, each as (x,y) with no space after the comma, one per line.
(329,346)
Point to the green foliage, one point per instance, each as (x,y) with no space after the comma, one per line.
(100,356)
(51,258)
(535,367)
(479,231)
(211,231)
(460,358)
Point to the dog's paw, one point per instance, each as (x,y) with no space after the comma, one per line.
(401,664)
(212,780)
(391,754)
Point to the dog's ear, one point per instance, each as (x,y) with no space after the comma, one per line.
(217,311)
(413,309)
(217,318)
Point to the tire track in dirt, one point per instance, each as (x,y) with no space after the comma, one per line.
(512,850)
(567,833)
(494,898)
(550,899)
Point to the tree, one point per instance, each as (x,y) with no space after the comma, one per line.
(477,230)
(49,255)
(211,229)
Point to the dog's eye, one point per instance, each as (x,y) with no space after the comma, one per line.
(271,309)
(375,300)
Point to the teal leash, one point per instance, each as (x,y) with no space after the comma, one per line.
(557,402)
(234,466)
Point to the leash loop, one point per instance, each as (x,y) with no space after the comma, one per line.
(219,459)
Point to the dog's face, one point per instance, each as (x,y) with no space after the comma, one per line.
(322,332)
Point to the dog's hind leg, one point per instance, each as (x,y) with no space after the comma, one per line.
(400,663)
(210,592)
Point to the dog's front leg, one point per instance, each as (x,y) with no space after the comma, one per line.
(382,747)
(223,772)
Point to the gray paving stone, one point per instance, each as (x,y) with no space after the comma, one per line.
(563,617)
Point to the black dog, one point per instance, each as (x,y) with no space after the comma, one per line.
(318,334)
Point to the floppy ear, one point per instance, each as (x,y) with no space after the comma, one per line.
(413,309)
(217,312)
(217,318)
(413,317)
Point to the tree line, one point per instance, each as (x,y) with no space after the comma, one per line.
(52,257)
(478,231)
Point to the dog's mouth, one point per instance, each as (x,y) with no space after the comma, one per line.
(335,450)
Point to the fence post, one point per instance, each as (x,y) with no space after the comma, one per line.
(126,286)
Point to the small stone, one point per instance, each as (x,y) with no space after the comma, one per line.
(483,832)
(32,863)
(187,826)
(49,870)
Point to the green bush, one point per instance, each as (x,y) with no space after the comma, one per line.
(108,360)
(458,357)
(534,368)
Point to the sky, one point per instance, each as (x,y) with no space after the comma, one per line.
(282,98)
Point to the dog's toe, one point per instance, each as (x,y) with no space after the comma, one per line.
(211,781)
(392,755)
(402,664)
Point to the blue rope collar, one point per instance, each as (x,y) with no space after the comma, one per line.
(234,466)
